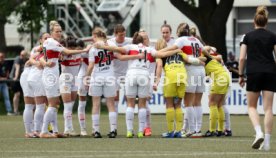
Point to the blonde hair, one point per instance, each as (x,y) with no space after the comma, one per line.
(261,16)
(52,24)
(160,44)
(183,30)
(99,32)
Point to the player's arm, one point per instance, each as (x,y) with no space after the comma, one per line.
(169,48)
(72,52)
(121,50)
(158,72)
(162,54)
(129,57)
(46,63)
(275,53)
(243,50)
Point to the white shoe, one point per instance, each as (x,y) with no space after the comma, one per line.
(83,133)
(258,141)
(264,147)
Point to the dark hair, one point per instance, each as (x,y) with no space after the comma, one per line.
(41,34)
(70,41)
(261,16)
(119,28)
(99,32)
(80,43)
(183,29)
(166,25)
(136,39)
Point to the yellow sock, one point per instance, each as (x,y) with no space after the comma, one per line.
(221,118)
(213,118)
(170,119)
(178,119)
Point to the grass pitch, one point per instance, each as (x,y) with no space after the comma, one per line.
(14,145)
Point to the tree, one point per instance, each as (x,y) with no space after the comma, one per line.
(210,17)
(30,12)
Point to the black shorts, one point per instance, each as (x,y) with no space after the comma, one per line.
(16,87)
(257,82)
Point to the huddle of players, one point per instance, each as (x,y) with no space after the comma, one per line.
(111,63)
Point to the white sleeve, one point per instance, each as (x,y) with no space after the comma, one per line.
(153,52)
(179,43)
(91,55)
(193,61)
(127,48)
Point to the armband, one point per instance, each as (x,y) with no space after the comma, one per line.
(194,61)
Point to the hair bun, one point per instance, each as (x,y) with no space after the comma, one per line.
(262,10)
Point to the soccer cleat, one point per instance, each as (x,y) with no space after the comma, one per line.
(147,131)
(112,134)
(140,135)
(71,133)
(219,133)
(168,135)
(47,135)
(59,135)
(183,133)
(115,131)
(177,134)
(129,134)
(258,141)
(228,133)
(210,134)
(83,133)
(196,135)
(97,135)
(50,128)
(264,147)
(29,135)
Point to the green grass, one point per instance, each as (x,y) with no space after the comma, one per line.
(14,145)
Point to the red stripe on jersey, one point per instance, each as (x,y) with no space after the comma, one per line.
(187,50)
(97,58)
(39,56)
(52,54)
(85,60)
(133,52)
(74,62)
(150,58)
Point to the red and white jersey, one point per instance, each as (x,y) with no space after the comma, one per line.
(71,64)
(120,67)
(140,64)
(35,73)
(52,50)
(103,60)
(189,45)
(84,64)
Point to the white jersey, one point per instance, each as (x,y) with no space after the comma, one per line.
(71,64)
(35,73)
(171,42)
(189,45)
(139,66)
(103,60)
(120,67)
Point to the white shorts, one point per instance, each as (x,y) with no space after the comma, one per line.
(137,85)
(67,83)
(102,87)
(26,88)
(37,87)
(50,81)
(195,79)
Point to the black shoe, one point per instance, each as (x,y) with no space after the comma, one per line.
(228,133)
(97,135)
(219,133)
(112,134)
(115,132)
(209,134)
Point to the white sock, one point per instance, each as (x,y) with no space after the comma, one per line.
(38,117)
(267,139)
(142,115)
(96,122)
(116,106)
(227,118)
(129,118)
(67,115)
(113,121)
(55,121)
(191,118)
(81,114)
(28,117)
(198,116)
(48,118)
(148,120)
(258,130)
(185,121)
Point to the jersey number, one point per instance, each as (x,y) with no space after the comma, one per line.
(103,55)
(145,57)
(174,59)
(195,47)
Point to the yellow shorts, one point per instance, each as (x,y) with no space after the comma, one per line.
(174,90)
(220,84)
